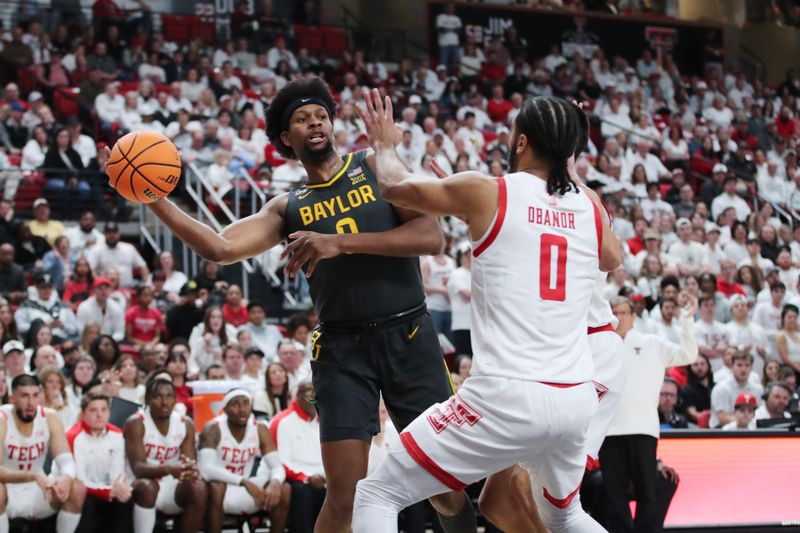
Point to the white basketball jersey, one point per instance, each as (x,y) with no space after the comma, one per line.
(163,449)
(238,457)
(599,309)
(25,452)
(533,275)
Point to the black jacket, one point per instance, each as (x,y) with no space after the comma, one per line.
(56,167)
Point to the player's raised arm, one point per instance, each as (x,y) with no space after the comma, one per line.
(465,194)
(243,239)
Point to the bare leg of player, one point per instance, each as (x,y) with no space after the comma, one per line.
(345,463)
(145,492)
(192,496)
(214,511)
(70,514)
(279,515)
(4,527)
(507,512)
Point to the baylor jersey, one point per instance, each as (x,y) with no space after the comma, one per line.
(354,287)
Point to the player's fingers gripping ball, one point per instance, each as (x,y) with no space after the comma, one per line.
(144,166)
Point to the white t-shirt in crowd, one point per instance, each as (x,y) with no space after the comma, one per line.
(460,279)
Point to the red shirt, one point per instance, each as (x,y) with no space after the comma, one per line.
(498,110)
(635,245)
(144,324)
(493,71)
(729,289)
(235,318)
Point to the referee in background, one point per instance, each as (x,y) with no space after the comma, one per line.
(628,454)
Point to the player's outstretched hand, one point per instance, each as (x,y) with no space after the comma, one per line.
(309,247)
(121,490)
(272,494)
(378,118)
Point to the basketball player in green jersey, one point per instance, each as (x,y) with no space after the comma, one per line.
(361,258)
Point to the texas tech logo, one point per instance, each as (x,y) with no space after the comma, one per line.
(455,411)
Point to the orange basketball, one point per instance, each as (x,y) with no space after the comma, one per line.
(144,166)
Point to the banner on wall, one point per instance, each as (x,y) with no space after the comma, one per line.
(624,36)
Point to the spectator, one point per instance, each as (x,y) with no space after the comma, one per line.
(436,271)
(458,287)
(233,361)
(719,115)
(653,207)
(265,336)
(295,432)
(55,392)
(787,340)
(30,248)
(178,370)
(12,277)
(185,314)
(253,366)
(208,339)
(746,335)
(85,235)
(82,374)
(744,413)
(298,369)
(120,255)
(42,225)
(14,360)
(448,26)
(18,133)
(777,396)
(82,144)
(787,273)
(668,401)
(280,52)
(60,261)
(770,373)
(234,310)
(215,372)
(16,54)
(695,397)
(64,172)
(725,392)
(79,287)
(729,198)
(44,306)
(175,279)
(685,255)
(100,309)
(105,352)
(33,152)
(143,323)
(130,388)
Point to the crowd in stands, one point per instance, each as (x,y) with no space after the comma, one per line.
(699,171)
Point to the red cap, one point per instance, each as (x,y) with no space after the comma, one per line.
(101,281)
(637,298)
(745,398)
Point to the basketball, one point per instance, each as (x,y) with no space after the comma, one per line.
(144,166)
